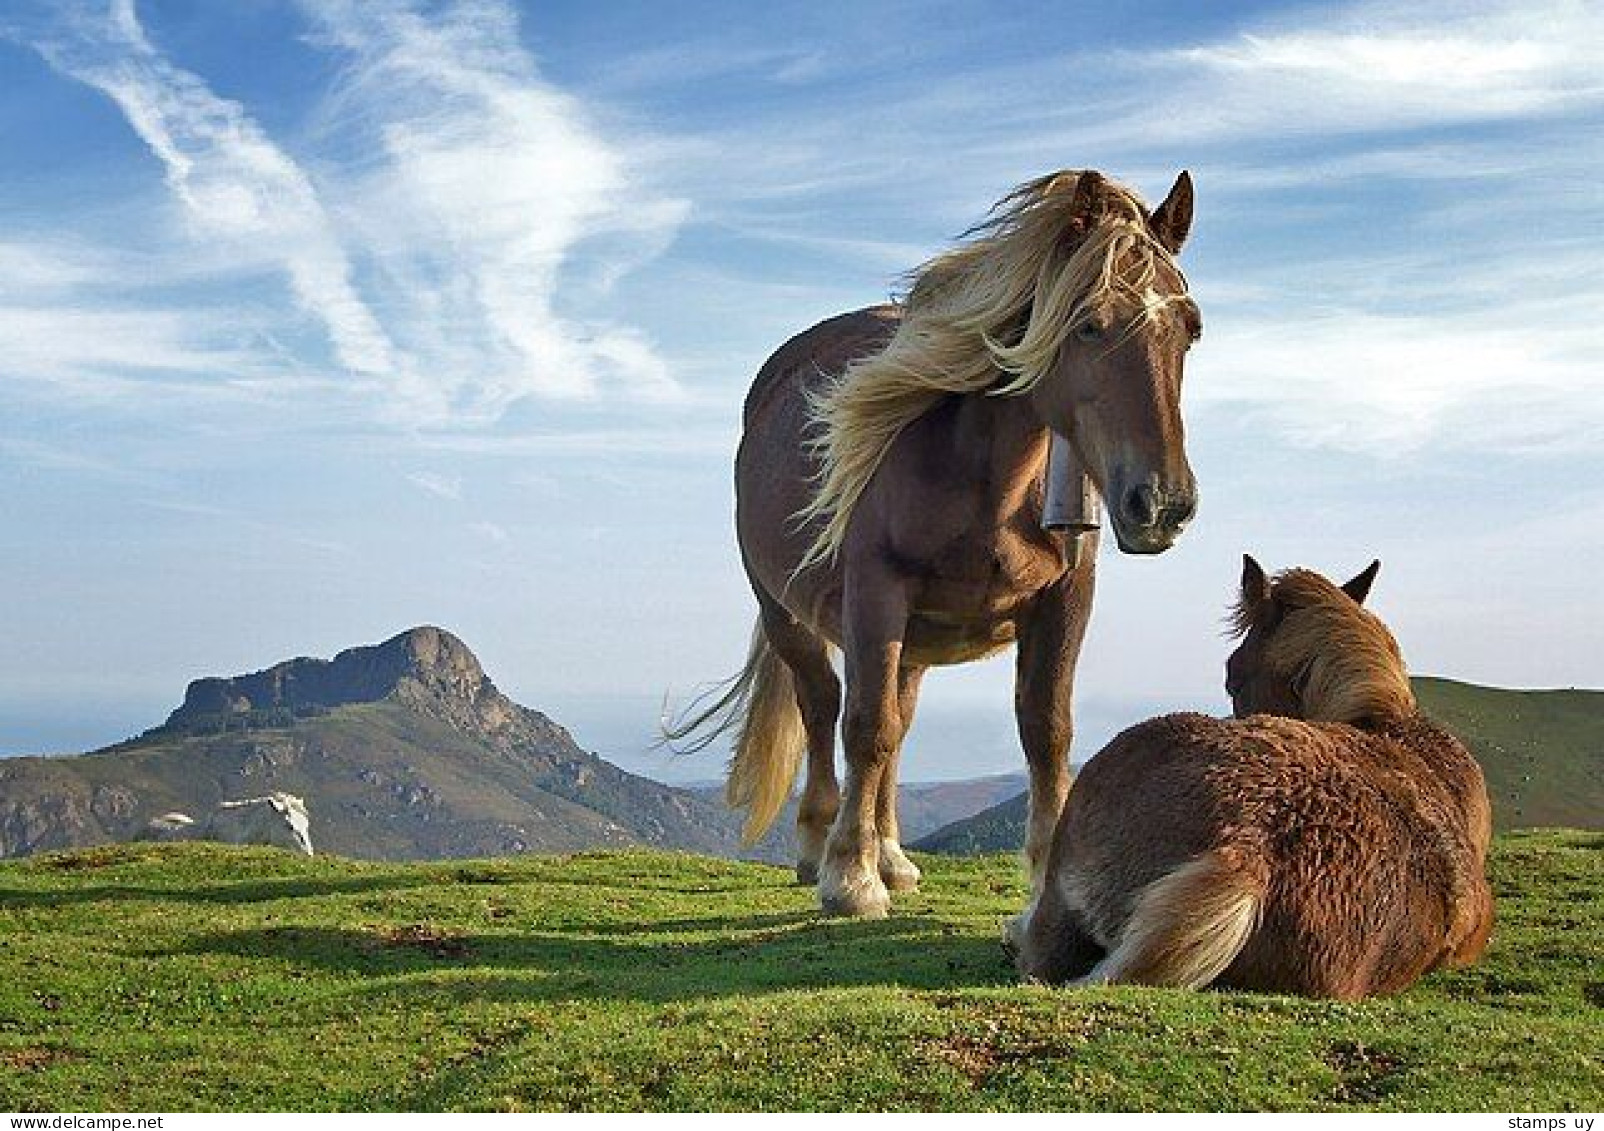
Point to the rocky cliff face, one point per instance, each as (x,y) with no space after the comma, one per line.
(403,750)
(426,668)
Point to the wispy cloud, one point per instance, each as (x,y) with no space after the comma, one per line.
(1396,384)
(100,353)
(1393,67)
(455,257)
(440,486)
(232,180)
(491,184)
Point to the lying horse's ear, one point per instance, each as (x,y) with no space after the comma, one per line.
(1255,585)
(1359,587)
(1172,220)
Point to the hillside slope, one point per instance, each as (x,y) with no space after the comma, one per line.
(1000,828)
(196,977)
(1542,753)
(403,750)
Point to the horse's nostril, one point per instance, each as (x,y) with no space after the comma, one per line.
(1142,505)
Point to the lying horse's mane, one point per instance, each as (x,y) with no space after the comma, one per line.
(1346,665)
(987,316)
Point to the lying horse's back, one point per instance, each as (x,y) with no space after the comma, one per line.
(1362,861)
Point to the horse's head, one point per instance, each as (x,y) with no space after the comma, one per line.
(1311,651)
(1114,388)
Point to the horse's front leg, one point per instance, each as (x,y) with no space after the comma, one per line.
(875,618)
(896,870)
(1050,636)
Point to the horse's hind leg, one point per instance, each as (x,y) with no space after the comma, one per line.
(896,870)
(818,696)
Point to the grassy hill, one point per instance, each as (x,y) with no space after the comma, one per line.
(1542,753)
(202,977)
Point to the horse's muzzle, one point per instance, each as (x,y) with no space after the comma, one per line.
(1150,515)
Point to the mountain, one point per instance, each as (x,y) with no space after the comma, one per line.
(403,750)
(1000,828)
(1542,753)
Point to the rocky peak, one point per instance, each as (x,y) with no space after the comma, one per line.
(427,668)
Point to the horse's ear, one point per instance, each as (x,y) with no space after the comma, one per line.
(1359,587)
(1255,585)
(1172,220)
(1087,202)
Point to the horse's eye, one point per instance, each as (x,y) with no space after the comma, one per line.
(1090,330)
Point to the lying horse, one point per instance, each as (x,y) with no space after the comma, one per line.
(1328,841)
(279,819)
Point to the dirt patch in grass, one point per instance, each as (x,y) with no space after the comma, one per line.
(1366,1074)
(425,937)
(36,1058)
(988,1048)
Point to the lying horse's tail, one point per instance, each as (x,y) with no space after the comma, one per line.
(1187,927)
(761,701)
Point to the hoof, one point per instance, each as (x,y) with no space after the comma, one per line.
(859,897)
(807,873)
(897,872)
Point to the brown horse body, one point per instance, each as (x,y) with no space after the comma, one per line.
(1337,855)
(889,504)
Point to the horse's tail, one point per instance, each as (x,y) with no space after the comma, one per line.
(1187,927)
(761,701)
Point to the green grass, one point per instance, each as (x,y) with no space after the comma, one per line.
(201,977)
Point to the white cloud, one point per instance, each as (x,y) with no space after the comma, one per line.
(440,486)
(1394,384)
(491,184)
(232,180)
(453,255)
(99,352)
(1392,67)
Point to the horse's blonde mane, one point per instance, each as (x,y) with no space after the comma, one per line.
(1344,661)
(987,316)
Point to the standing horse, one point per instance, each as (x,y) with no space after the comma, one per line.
(1328,841)
(889,488)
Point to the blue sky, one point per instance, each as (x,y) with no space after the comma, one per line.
(326,319)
